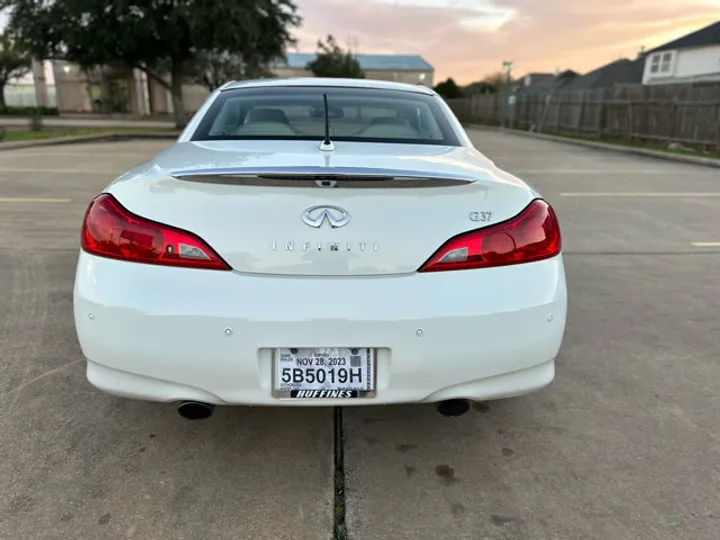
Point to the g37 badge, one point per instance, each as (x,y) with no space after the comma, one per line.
(480,216)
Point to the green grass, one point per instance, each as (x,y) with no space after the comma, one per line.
(340,532)
(651,146)
(637,144)
(11,135)
(622,142)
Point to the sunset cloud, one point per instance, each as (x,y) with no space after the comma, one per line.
(468,39)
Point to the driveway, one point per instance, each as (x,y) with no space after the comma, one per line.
(76,464)
(625,444)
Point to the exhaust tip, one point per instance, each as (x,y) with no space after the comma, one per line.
(195,410)
(452,408)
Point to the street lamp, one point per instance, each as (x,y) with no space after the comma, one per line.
(507,67)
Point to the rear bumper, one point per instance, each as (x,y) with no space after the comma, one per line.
(168,334)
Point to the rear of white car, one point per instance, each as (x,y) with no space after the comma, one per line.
(246,265)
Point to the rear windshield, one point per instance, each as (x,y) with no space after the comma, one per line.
(298,113)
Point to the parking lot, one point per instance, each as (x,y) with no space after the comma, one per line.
(623,445)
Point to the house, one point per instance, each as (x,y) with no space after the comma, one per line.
(690,59)
(407,68)
(619,72)
(536,79)
(546,82)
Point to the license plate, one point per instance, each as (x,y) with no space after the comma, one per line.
(324,373)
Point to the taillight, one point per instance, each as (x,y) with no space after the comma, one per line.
(532,235)
(109,230)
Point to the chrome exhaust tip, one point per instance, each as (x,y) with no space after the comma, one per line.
(195,410)
(452,408)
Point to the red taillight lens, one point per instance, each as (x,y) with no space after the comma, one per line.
(109,230)
(532,235)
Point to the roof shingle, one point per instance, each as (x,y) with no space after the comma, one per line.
(710,35)
(622,71)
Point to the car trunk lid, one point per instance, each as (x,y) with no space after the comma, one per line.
(365,209)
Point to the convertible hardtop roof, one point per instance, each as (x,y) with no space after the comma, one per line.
(320,81)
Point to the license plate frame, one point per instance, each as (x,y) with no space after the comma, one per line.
(357,393)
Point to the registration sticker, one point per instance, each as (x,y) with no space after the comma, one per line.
(324,373)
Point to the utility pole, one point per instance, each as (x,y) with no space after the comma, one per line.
(507,67)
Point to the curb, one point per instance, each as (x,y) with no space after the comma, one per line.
(101,137)
(657,154)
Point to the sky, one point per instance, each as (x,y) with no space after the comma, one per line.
(469,39)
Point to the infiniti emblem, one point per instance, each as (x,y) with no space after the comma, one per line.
(316,215)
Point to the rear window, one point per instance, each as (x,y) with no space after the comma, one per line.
(297,113)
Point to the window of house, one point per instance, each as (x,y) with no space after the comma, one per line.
(666,63)
(655,63)
(661,63)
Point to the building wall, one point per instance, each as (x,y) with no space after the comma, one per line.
(159,97)
(698,62)
(194,96)
(410,77)
(287,73)
(687,65)
(23,95)
(72,89)
(77,94)
(73,97)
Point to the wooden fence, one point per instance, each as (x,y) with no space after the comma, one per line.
(685,114)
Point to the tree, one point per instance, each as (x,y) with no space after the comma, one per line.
(448,89)
(490,84)
(496,79)
(333,61)
(167,39)
(15,62)
(215,68)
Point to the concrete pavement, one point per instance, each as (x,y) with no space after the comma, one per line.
(76,463)
(691,157)
(623,446)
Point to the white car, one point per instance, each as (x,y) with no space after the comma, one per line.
(320,242)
